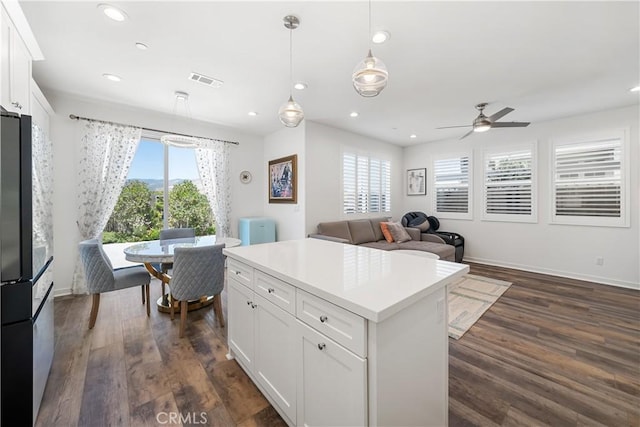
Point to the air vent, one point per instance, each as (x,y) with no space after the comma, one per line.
(209,81)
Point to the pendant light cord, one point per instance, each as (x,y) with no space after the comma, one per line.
(290,61)
(369,35)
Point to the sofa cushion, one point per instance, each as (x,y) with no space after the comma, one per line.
(398,232)
(338,229)
(382,244)
(375,224)
(385,232)
(446,252)
(361,231)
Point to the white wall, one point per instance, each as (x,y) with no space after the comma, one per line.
(290,218)
(245,198)
(562,250)
(324,147)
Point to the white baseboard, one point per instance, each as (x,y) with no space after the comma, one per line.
(62,292)
(570,275)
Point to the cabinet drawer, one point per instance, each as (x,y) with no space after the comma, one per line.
(240,272)
(275,290)
(343,326)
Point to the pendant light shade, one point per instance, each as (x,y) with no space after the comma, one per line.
(291,113)
(370,76)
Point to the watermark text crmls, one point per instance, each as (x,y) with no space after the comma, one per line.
(168,418)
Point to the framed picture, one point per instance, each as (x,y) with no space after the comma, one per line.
(417,182)
(283,180)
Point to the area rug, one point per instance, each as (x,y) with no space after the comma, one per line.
(469,298)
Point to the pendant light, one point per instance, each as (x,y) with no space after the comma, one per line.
(180,141)
(370,75)
(291,113)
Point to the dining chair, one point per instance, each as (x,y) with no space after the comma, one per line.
(101,277)
(197,272)
(167,234)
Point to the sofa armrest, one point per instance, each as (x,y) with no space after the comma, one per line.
(329,238)
(428,237)
(414,233)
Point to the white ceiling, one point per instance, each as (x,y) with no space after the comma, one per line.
(545,59)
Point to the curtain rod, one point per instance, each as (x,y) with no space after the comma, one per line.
(74,117)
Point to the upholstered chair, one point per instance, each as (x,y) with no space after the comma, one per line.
(167,234)
(197,271)
(101,277)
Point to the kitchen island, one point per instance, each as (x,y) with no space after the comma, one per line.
(337,334)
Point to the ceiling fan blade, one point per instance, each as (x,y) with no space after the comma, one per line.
(450,127)
(500,114)
(509,124)
(466,134)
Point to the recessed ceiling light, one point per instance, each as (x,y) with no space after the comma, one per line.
(111,77)
(635,89)
(380,36)
(113,12)
(413,136)
(142,46)
(354,114)
(253,113)
(300,86)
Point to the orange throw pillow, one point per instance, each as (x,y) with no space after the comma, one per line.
(385,230)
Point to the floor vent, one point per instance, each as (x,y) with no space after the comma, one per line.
(209,81)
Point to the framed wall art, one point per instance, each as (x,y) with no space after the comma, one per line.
(283,180)
(417,182)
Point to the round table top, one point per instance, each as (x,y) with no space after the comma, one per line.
(155,251)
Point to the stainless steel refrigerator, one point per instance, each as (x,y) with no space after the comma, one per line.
(26,257)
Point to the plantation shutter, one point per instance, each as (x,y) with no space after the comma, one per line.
(508,183)
(588,179)
(451,182)
(366,184)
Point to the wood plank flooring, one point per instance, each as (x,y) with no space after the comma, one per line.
(551,351)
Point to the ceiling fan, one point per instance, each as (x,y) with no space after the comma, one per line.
(483,123)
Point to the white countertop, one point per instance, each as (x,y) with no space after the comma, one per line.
(372,283)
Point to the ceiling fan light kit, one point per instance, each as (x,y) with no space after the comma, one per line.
(291,113)
(370,76)
(483,123)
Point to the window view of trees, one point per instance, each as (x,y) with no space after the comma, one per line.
(139,212)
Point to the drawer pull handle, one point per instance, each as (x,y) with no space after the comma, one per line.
(248,302)
(254,305)
(17,105)
(323,318)
(237,272)
(321,346)
(271,290)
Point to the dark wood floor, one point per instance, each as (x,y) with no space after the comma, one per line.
(551,351)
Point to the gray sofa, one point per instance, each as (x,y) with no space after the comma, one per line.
(367,232)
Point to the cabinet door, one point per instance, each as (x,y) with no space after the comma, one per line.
(5,43)
(241,313)
(332,385)
(275,361)
(20,75)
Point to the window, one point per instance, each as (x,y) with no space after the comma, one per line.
(155,197)
(452,183)
(366,184)
(590,181)
(509,185)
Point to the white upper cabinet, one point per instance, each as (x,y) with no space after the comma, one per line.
(16,55)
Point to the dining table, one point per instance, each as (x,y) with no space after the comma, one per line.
(153,253)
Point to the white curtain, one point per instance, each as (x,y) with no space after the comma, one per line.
(42,179)
(106,153)
(212,158)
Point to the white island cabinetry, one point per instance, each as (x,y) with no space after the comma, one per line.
(337,334)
